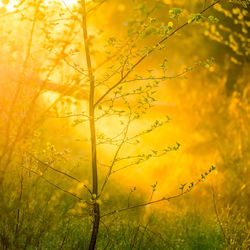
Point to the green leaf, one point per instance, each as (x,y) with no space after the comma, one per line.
(195,18)
(175,12)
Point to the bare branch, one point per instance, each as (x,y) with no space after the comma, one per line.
(75,68)
(68,9)
(116,155)
(49,166)
(156,78)
(68,116)
(144,204)
(95,7)
(51,183)
(13,12)
(116,71)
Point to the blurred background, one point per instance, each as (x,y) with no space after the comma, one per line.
(43,78)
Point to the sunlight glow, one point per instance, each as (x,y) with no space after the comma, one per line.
(69,2)
(11,5)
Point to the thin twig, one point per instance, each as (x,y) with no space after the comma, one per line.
(116,155)
(54,185)
(68,116)
(49,166)
(156,78)
(74,67)
(59,171)
(145,204)
(95,7)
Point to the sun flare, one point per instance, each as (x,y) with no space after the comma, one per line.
(10,5)
(124,124)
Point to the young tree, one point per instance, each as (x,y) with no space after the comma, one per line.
(130,58)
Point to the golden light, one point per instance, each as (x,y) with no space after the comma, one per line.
(10,5)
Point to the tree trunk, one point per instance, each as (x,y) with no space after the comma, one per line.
(95,227)
(96,208)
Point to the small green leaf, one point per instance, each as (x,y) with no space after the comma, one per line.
(175,12)
(195,18)
(170,24)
